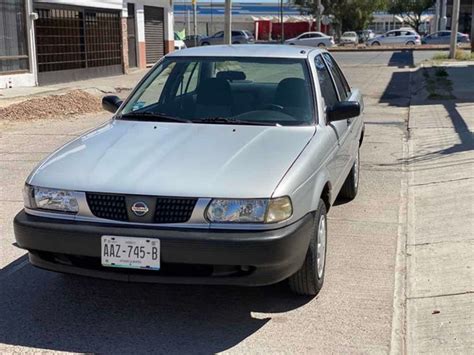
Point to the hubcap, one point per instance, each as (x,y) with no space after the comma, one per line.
(356,170)
(321,253)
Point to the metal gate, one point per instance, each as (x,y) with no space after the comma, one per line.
(77,43)
(154,34)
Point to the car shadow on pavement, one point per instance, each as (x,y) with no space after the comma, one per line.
(41,309)
(402,59)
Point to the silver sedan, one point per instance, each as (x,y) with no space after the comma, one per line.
(219,168)
(312,39)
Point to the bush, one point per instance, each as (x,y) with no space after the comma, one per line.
(460,55)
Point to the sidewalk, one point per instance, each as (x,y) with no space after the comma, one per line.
(110,84)
(440,231)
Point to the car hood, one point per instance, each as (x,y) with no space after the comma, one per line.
(175,159)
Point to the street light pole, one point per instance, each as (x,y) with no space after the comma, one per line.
(195,22)
(228,22)
(454,29)
(318,17)
(282,29)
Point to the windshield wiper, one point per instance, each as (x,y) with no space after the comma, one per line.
(227,120)
(152,116)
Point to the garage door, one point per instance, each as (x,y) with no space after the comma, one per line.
(154,34)
(77,43)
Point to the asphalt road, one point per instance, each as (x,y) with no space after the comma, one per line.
(352,314)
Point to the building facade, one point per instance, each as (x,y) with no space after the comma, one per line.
(50,41)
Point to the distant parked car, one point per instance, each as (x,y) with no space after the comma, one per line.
(349,38)
(189,40)
(444,37)
(365,35)
(312,39)
(238,37)
(178,43)
(394,37)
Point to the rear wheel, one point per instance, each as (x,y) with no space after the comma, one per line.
(351,185)
(321,45)
(410,43)
(375,43)
(309,279)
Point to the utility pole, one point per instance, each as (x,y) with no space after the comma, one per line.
(454,29)
(282,26)
(318,17)
(228,22)
(436,21)
(472,28)
(443,19)
(195,26)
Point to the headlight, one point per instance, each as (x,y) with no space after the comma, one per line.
(250,211)
(50,199)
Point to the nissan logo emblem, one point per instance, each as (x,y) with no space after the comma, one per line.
(140,209)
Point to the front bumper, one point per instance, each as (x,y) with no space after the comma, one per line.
(248,258)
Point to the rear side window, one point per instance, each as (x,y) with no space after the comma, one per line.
(341,84)
(328,91)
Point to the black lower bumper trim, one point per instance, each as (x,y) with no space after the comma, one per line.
(257,257)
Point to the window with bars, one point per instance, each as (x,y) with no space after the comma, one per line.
(72,38)
(13,40)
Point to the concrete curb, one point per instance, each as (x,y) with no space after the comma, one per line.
(398,336)
(388,49)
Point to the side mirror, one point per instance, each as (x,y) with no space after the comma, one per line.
(343,110)
(111,103)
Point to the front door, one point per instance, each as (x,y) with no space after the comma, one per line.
(337,165)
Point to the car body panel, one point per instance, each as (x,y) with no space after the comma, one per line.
(175,159)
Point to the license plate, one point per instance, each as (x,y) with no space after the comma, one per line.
(132,253)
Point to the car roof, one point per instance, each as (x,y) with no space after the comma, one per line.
(246,50)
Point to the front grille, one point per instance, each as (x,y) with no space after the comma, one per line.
(174,210)
(167,209)
(108,206)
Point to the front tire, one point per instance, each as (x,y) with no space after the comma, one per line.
(351,185)
(375,43)
(309,279)
(321,45)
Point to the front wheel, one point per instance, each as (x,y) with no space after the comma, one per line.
(321,45)
(375,43)
(351,185)
(309,279)
(410,43)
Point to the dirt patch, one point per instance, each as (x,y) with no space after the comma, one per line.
(72,103)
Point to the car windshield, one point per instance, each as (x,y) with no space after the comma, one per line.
(264,91)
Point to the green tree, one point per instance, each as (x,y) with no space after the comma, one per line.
(410,10)
(348,15)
